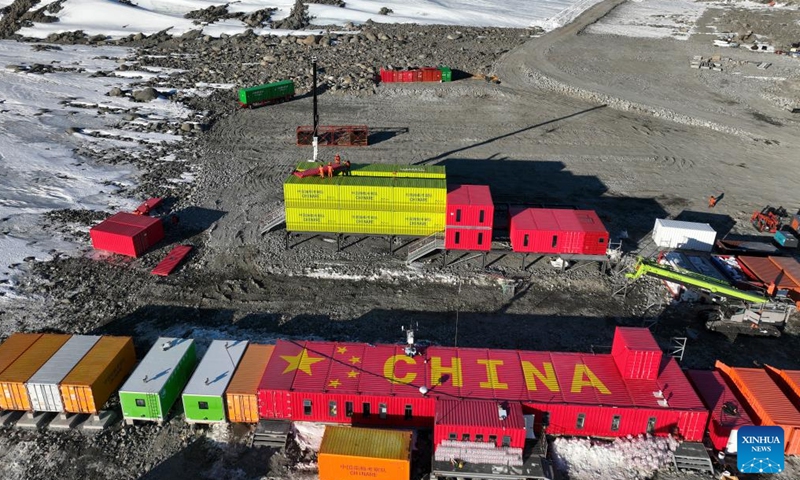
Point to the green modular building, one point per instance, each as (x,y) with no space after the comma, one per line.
(156,383)
(204,396)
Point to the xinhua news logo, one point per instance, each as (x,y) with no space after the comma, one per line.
(760,449)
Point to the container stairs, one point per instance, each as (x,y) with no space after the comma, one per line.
(275,218)
(692,456)
(271,434)
(684,277)
(425,246)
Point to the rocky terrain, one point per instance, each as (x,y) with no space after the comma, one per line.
(572,119)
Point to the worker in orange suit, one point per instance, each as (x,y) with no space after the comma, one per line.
(337,160)
(322,171)
(712,201)
(330,170)
(347,167)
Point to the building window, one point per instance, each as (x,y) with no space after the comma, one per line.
(465,437)
(458,238)
(651,425)
(493,439)
(202,405)
(332,410)
(555,240)
(479,438)
(506,441)
(365,409)
(546,419)
(481,216)
(458,215)
(382,410)
(615,423)
(581,421)
(601,240)
(409,412)
(140,402)
(452,436)
(348,409)
(306,407)
(525,240)
(480,238)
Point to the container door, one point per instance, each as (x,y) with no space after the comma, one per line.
(154,406)
(529,434)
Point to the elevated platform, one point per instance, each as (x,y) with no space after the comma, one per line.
(533,468)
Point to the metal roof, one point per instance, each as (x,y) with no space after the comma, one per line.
(366,442)
(155,368)
(479,413)
(765,396)
(637,339)
(766,270)
(678,224)
(63,361)
(553,219)
(216,368)
(716,393)
(469,195)
(472,373)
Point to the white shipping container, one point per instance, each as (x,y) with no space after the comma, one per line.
(43,386)
(684,235)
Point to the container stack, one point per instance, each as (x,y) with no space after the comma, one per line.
(12,379)
(373,200)
(636,354)
(470,218)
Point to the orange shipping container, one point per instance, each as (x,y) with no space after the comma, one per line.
(98,375)
(12,379)
(767,403)
(242,393)
(14,346)
(364,453)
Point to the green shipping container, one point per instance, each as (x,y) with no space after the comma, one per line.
(156,383)
(447,73)
(204,396)
(266,92)
(397,171)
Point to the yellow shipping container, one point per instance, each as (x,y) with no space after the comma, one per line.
(419,224)
(241,397)
(367,222)
(420,195)
(12,380)
(311,192)
(14,346)
(351,452)
(366,193)
(312,220)
(98,375)
(397,171)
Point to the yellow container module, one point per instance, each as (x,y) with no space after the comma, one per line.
(397,171)
(365,193)
(417,224)
(320,220)
(367,222)
(352,452)
(311,192)
(241,397)
(14,346)
(420,195)
(12,379)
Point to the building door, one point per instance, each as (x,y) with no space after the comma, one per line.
(529,433)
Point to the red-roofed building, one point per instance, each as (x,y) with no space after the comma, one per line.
(470,217)
(554,231)
(569,393)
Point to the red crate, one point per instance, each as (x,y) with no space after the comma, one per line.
(430,74)
(127,234)
(389,76)
(468,239)
(636,353)
(552,231)
(334,135)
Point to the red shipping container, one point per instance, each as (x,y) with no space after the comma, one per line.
(767,405)
(636,353)
(479,239)
(469,206)
(127,234)
(722,404)
(466,420)
(431,74)
(552,231)
(388,75)
(407,75)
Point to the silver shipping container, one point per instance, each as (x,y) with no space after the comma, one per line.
(684,235)
(43,386)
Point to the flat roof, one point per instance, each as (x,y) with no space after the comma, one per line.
(366,442)
(469,195)
(685,225)
(64,360)
(216,368)
(479,413)
(155,368)
(555,219)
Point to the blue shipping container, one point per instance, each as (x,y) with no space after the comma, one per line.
(786,239)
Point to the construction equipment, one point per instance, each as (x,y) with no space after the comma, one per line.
(767,319)
(768,219)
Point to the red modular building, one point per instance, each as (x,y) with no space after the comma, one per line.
(499,423)
(636,353)
(555,231)
(127,234)
(726,412)
(569,393)
(470,218)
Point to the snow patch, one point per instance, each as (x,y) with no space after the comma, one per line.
(652,19)
(308,435)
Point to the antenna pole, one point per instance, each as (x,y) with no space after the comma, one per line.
(314,95)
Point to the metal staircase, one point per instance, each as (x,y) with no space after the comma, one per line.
(424,246)
(271,434)
(274,218)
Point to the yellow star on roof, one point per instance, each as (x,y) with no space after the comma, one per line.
(302,361)
(341,350)
(352,374)
(355,360)
(334,383)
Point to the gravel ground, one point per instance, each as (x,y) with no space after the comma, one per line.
(619,125)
